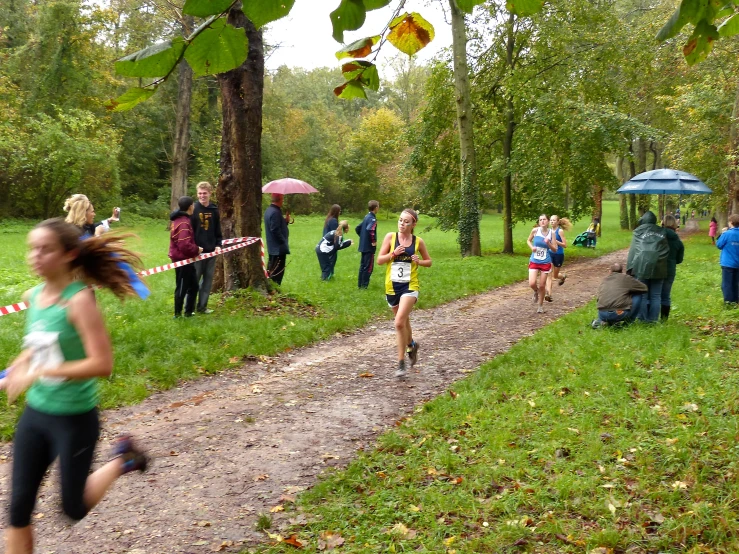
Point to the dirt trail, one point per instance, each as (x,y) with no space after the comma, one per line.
(226,448)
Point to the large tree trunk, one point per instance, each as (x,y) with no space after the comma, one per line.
(632,197)
(622,200)
(469,216)
(598,205)
(508,148)
(240,181)
(732,205)
(644,201)
(181,145)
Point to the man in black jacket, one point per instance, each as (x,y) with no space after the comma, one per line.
(206,223)
(276,233)
(367,231)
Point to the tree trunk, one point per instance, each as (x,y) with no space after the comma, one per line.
(632,197)
(622,200)
(181,144)
(644,201)
(732,205)
(469,216)
(508,147)
(240,181)
(598,205)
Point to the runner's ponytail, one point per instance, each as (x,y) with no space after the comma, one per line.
(100,260)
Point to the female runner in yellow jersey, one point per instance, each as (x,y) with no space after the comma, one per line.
(403,252)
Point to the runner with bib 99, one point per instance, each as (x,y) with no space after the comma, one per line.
(540,263)
(403,252)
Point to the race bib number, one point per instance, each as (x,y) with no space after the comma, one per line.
(540,254)
(401,272)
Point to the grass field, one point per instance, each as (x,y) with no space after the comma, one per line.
(154,352)
(615,441)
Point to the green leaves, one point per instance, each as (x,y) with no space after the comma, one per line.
(730,27)
(358,74)
(217,49)
(206,8)
(359,49)
(524,8)
(349,16)
(155,61)
(468,5)
(261,12)
(349,90)
(409,33)
(700,43)
(130,98)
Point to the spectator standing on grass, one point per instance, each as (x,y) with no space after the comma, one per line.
(619,298)
(331,222)
(182,247)
(647,261)
(327,250)
(277,233)
(367,231)
(728,243)
(677,252)
(206,223)
(66,348)
(713,230)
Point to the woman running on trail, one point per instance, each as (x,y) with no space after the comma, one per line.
(403,252)
(66,347)
(540,263)
(558,226)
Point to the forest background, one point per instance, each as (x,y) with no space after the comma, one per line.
(583,92)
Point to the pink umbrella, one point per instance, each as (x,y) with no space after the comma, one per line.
(288,185)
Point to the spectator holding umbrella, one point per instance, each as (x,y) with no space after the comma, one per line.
(277,233)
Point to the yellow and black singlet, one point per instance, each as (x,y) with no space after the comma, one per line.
(401,275)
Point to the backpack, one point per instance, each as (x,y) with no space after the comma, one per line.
(648,253)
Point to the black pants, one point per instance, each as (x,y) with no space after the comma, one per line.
(186,289)
(276,267)
(365,268)
(327,261)
(41,438)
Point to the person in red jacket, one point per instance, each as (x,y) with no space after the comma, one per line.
(181,247)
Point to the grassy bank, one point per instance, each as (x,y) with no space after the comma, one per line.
(154,352)
(613,441)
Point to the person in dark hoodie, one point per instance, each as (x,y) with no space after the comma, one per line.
(182,247)
(367,231)
(676,255)
(206,223)
(647,261)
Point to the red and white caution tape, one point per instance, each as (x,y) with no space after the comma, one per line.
(236,243)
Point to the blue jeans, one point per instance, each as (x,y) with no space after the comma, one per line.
(666,290)
(626,315)
(651,301)
(730,283)
(204,271)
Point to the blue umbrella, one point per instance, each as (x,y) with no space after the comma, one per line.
(664,181)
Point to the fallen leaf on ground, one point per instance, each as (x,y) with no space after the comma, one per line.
(453,394)
(234,360)
(367,374)
(262,477)
(402,532)
(278,508)
(220,547)
(287,498)
(292,540)
(329,540)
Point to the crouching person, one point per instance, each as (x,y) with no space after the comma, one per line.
(619,298)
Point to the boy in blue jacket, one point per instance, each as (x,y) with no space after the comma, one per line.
(367,231)
(728,243)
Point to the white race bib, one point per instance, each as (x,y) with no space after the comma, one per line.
(540,254)
(401,272)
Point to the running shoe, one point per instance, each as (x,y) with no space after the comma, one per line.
(412,352)
(134,459)
(540,310)
(400,372)
(562,279)
(548,297)
(598,324)
(536,296)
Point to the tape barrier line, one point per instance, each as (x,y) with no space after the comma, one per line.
(236,243)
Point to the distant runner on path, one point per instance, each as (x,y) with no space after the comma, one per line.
(558,226)
(401,252)
(66,347)
(542,245)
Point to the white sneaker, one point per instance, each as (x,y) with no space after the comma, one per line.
(400,372)
(535,298)
(540,310)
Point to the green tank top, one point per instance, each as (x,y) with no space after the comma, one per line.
(52,340)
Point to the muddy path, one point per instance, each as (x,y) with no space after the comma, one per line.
(229,447)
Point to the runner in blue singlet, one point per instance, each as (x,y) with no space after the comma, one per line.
(558,227)
(540,263)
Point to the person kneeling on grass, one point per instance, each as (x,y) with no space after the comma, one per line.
(619,298)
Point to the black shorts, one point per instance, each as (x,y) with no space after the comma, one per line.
(40,439)
(558,259)
(393,300)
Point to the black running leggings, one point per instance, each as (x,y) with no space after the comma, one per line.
(41,438)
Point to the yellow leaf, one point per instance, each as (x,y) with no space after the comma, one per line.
(275,536)
(409,33)
(449,541)
(414,508)
(278,508)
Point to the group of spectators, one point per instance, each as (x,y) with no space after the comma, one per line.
(644,291)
